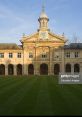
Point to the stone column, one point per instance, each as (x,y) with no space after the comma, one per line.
(81,70)
(63,62)
(15,70)
(25,69)
(6,69)
(34,68)
(72,68)
(50,61)
(60,67)
(37,67)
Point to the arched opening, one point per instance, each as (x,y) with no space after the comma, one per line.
(19,69)
(2,69)
(68,68)
(56,69)
(30,69)
(76,68)
(44,69)
(10,69)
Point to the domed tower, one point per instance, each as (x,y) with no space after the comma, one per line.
(43,20)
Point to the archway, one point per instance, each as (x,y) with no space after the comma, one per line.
(76,68)
(19,69)
(10,69)
(44,69)
(68,68)
(30,69)
(56,69)
(2,69)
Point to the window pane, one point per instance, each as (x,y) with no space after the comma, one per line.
(10,55)
(1,55)
(19,55)
(30,55)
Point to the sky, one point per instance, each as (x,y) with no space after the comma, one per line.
(18,17)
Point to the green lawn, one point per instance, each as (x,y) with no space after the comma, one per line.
(39,95)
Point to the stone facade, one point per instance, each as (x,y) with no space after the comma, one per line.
(42,53)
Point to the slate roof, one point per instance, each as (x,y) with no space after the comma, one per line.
(73,46)
(9,46)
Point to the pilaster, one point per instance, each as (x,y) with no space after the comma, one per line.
(6,69)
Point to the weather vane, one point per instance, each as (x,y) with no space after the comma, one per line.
(43,7)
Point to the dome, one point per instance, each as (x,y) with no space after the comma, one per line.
(43,15)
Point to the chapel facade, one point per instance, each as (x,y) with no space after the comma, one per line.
(42,53)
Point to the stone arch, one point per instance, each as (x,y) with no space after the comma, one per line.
(30,69)
(44,69)
(10,69)
(76,68)
(56,69)
(19,69)
(2,69)
(68,68)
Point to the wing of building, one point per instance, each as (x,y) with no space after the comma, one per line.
(42,53)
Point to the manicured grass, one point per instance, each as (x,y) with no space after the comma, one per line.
(39,95)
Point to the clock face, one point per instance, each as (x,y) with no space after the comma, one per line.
(43,35)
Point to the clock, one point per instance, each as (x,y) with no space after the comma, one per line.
(43,35)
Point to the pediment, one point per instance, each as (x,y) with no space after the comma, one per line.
(33,37)
(57,38)
(50,37)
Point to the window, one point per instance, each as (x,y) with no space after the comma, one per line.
(30,55)
(44,56)
(68,54)
(19,55)
(10,55)
(1,55)
(56,54)
(76,54)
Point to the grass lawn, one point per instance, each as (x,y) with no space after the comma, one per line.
(39,95)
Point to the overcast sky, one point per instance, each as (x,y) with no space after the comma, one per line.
(21,16)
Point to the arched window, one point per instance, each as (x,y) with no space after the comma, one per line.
(2,69)
(30,69)
(10,69)
(76,68)
(56,69)
(44,69)
(19,69)
(68,68)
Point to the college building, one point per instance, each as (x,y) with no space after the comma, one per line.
(42,53)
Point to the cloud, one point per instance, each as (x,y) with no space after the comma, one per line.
(8,13)
(20,25)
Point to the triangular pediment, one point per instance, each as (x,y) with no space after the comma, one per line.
(32,37)
(49,37)
(58,38)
